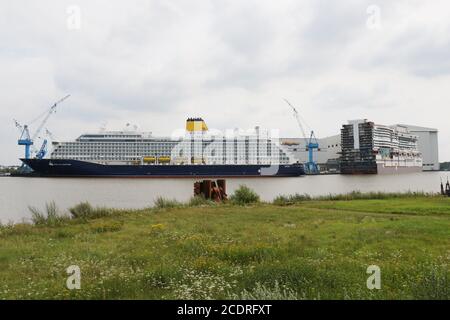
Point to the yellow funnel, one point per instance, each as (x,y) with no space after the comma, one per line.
(196,124)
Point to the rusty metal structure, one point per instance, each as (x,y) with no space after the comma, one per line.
(215,190)
(445,191)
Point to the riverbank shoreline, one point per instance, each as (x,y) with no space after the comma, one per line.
(293,248)
(16,194)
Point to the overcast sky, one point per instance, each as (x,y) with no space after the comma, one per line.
(155,63)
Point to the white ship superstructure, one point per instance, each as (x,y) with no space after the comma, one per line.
(395,147)
(373,148)
(196,147)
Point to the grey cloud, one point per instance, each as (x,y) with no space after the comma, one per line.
(155,59)
(121,92)
(339,97)
(334,24)
(418,52)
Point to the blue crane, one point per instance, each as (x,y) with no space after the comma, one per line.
(43,151)
(28,141)
(24,139)
(311,166)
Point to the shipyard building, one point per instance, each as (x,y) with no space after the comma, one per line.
(428,146)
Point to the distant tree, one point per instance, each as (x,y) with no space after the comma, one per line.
(4,170)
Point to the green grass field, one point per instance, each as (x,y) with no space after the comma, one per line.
(315,249)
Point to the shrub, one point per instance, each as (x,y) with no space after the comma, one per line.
(37,216)
(244,195)
(198,201)
(16,229)
(81,210)
(291,200)
(100,212)
(300,197)
(358,195)
(85,210)
(283,200)
(50,217)
(161,203)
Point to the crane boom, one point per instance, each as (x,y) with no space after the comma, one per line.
(297,117)
(49,113)
(18,125)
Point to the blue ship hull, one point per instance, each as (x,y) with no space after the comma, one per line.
(75,168)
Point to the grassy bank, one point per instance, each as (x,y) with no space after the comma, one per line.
(295,248)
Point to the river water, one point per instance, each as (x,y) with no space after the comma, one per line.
(17,194)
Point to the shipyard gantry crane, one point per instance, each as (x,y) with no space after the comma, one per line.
(28,140)
(312,144)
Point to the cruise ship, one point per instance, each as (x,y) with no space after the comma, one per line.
(373,148)
(197,153)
